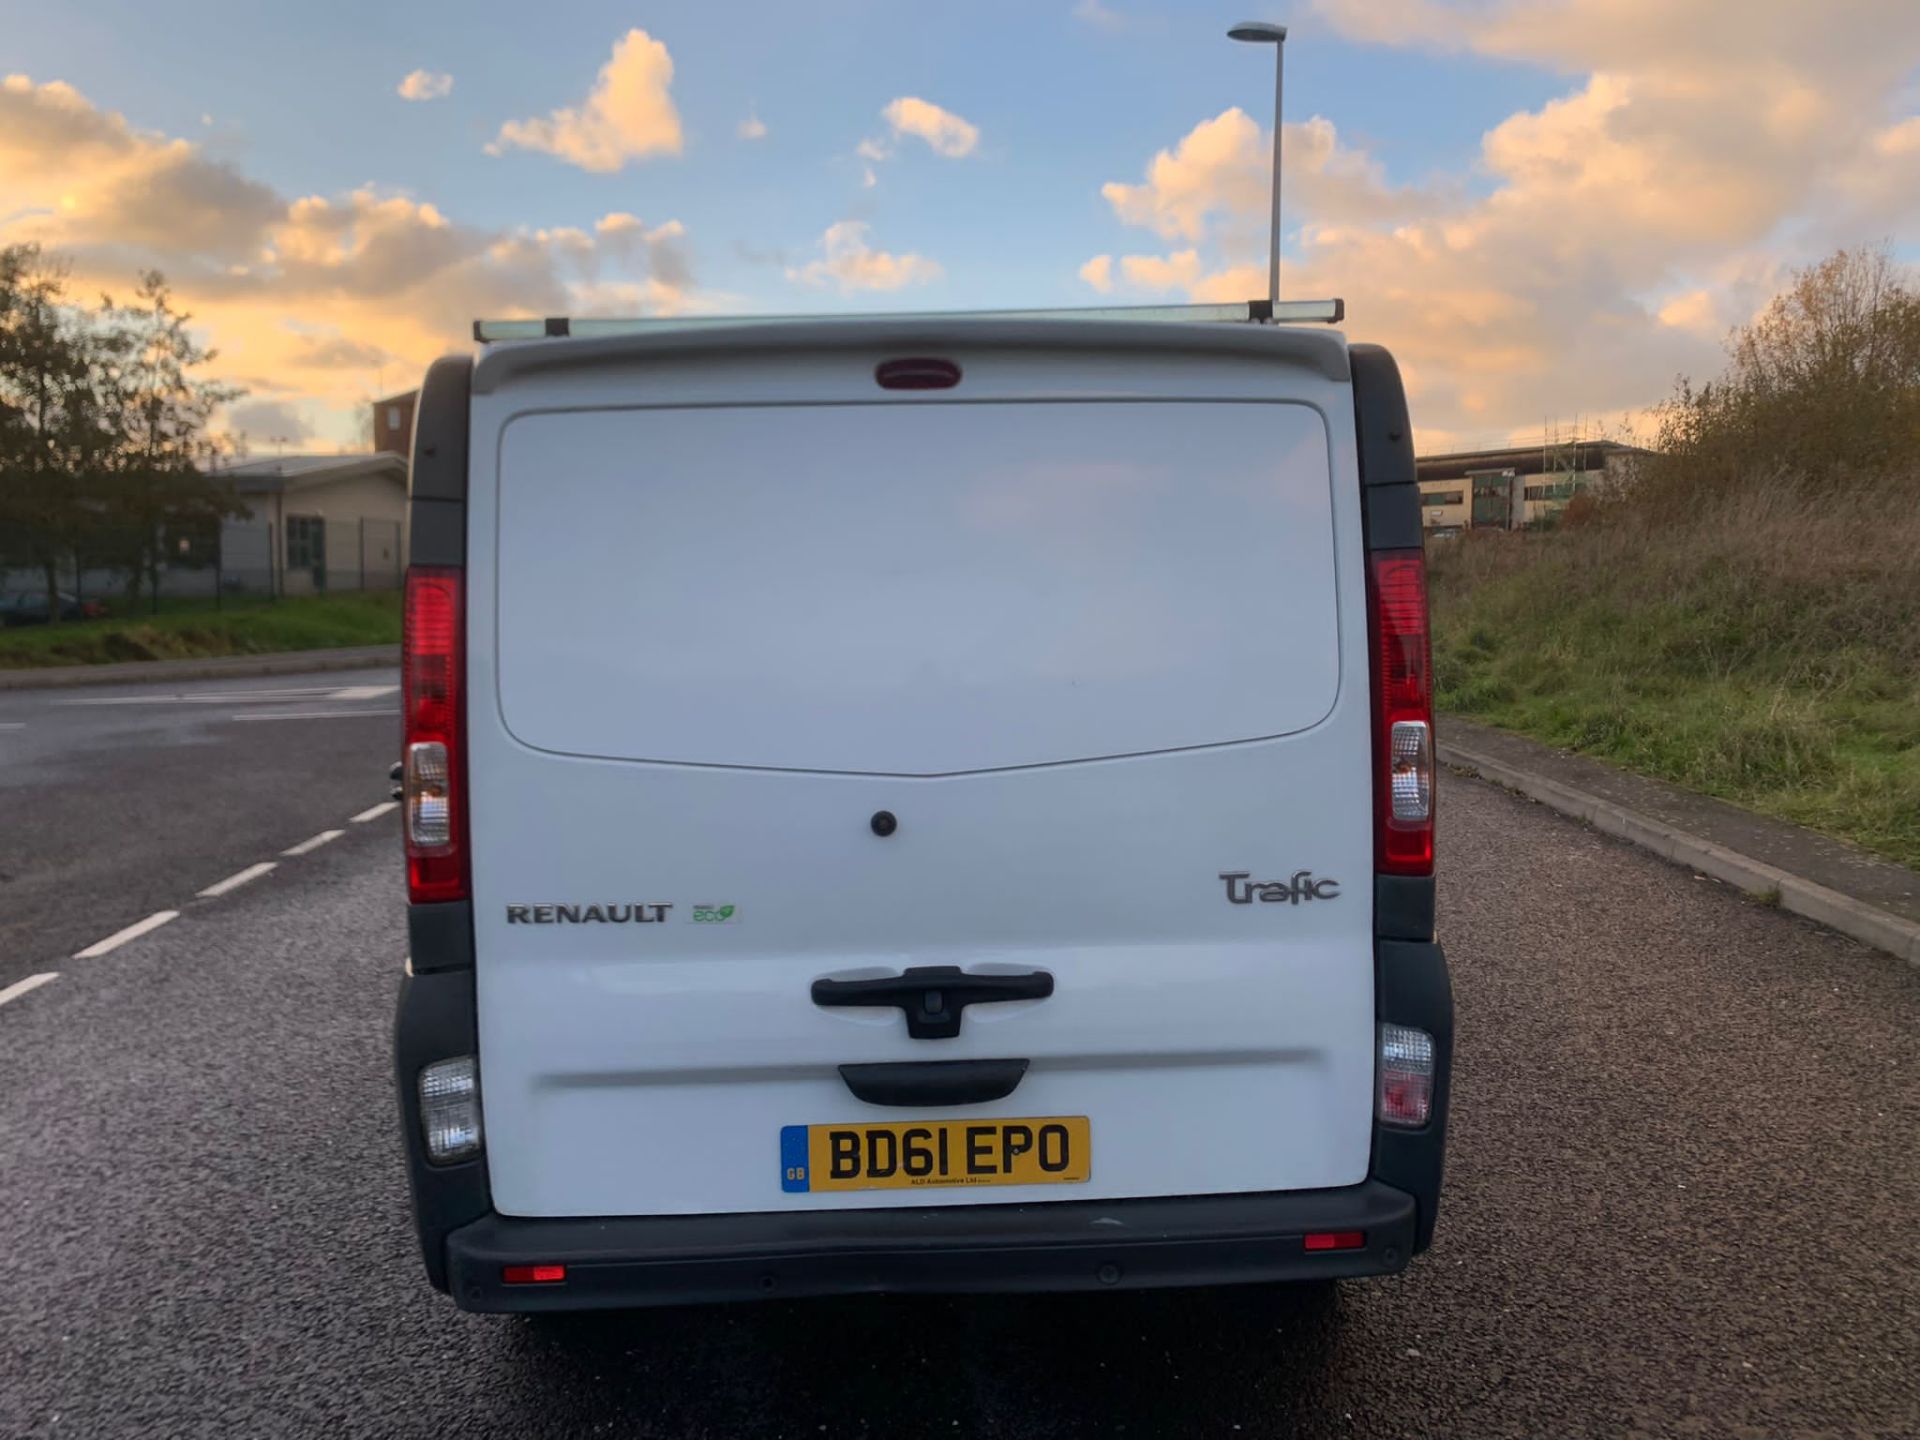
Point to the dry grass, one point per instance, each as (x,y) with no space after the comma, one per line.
(1763,646)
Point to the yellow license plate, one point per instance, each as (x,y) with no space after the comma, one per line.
(905,1154)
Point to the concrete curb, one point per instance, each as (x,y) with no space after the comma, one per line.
(220,667)
(1855,918)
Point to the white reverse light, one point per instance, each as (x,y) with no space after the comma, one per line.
(1406,1075)
(450,1108)
(1410,764)
(429,814)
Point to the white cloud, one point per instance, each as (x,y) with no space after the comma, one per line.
(1094,13)
(657,249)
(1222,170)
(319,292)
(752,128)
(338,352)
(628,115)
(426,85)
(943,130)
(61,155)
(850,263)
(1098,272)
(650,296)
(1899,140)
(268,422)
(1215,168)
(1699,150)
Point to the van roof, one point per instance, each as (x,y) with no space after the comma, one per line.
(1140,329)
(1259,312)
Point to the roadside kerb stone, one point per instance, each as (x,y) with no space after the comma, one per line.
(216,667)
(1819,903)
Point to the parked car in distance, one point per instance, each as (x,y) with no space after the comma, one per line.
(29,607)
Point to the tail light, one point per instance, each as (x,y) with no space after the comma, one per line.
(450,1109)
(1406,1076)
(1402,713)
(433,774)
(1335,1240)
(533,1274)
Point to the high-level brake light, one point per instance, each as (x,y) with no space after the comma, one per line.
(1402,713)
(433,778)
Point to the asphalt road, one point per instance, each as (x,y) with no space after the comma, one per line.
(1682,1198)
(120,801)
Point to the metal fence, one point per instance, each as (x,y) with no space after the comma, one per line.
(246,559)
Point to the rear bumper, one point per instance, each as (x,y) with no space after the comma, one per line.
(1063,1245)
(1066,1245)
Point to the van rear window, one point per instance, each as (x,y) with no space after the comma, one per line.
(916,587)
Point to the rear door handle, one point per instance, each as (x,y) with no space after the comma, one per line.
(928,1083)
(933,995)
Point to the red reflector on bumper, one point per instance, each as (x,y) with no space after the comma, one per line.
(1337,1240)
(533,1274)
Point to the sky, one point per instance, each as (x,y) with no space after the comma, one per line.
(1547,209)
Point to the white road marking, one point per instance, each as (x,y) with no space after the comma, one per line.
(375,812)
(13,724)
(235,881)
(364,692)
(314,844)
(132,932)
(311,714)
(21,987)
(210,697)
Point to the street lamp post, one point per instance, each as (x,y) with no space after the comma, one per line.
(1259,32)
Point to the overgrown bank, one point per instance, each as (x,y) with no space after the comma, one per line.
(1767,652)
(321,622)
(1744,617)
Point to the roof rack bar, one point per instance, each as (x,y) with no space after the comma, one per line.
(1257,312)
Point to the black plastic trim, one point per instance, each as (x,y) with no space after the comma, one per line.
(952,1249)
(1403,907)
(440,936)
(1384,430)
(437,532)
(440,425)
(933,996)
(435,1021)
(1411,987)
(934,1082)
(1392,518)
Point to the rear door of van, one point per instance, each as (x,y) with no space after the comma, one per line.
(785,683)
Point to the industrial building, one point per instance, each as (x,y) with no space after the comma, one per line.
(1511,489)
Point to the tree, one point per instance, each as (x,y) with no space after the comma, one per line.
(1823,388)
(51,430)
(159,493)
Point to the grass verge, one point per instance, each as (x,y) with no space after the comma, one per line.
(180,631)
(1764,649)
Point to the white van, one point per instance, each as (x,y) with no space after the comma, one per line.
(917,803)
